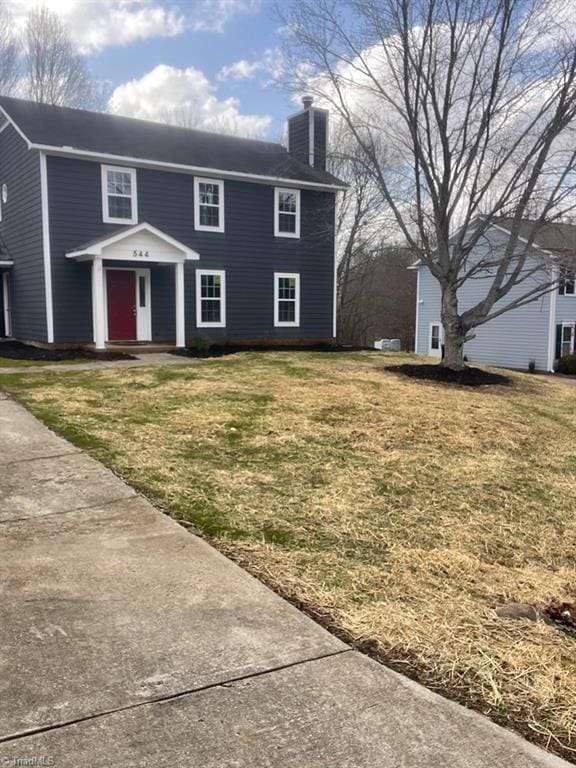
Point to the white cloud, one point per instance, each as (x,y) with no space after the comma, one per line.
(240,70)
(270,67)
(213,15)
(184,97)
(98,25)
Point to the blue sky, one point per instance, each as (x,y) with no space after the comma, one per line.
(158,55)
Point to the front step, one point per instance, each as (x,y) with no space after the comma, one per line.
(141,348)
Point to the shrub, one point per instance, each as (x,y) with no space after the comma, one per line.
(202,344)
(567,365)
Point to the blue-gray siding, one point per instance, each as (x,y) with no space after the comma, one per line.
(247,250)
(510,340)
(299,136)
(21,234)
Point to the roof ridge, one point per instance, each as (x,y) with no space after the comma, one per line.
(112,115)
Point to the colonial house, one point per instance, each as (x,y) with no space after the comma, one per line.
(115,230)
(541,331)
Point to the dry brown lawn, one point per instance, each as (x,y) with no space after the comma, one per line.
(398,512)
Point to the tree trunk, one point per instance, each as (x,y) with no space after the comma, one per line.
(453,350)
(454,333)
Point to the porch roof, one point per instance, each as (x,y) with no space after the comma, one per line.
(139,243)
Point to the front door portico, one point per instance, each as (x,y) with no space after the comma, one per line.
(121,292)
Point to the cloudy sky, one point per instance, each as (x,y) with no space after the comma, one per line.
(216,55)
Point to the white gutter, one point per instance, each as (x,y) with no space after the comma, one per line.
(193,169)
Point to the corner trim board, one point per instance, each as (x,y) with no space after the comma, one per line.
(552,325)
(46,249)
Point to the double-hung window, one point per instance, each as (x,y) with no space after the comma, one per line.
(286,212)
(567,283)
(567,339)
(209,205)
(119,196)
(210,298)
(286,299)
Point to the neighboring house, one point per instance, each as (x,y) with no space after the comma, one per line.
(120,230)
(542,330)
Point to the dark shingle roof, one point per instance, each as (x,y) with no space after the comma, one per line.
(559,237)
(127,137)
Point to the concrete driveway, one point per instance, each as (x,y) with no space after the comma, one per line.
(127,641)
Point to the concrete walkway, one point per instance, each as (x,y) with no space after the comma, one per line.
(126,641)
(139,361)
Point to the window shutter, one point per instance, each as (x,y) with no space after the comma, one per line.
(558,353)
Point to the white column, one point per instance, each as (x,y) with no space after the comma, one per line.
(98,304)
(180,321)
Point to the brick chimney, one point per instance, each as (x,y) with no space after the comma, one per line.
(308,134)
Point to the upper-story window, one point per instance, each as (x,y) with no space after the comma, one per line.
(209,205)
(286,212)
(567,283)
(119,201)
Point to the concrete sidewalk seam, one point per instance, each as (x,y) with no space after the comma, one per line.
(98,505)
(75,452)
(170,697)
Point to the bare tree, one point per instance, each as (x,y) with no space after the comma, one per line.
(462,111)
(9,54)
(359,230)
(55,72)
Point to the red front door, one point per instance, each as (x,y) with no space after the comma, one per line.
(121,288)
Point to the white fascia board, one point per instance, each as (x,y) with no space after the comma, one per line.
(16,128)
(96,248)
(195,170)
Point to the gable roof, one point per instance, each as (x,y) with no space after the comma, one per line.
(94,247)
(61,128)
(557,237)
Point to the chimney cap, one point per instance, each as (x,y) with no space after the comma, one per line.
(307,101)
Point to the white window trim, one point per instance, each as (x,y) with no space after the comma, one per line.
(106,218)
(435,352)
(277,233)
(222,274)
(277,322)
(202,227)
(572,325)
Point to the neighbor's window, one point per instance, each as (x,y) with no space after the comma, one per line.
(567,283)
(286,299)
(209,205)
(286,212)
(119,204)
(567,344)
(210,298)
(435,337)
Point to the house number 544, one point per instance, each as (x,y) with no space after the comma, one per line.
(140,254)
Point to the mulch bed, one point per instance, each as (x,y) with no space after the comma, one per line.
(467,377)
(220,350)
(14,350)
